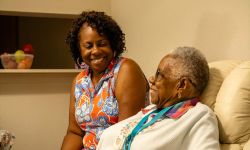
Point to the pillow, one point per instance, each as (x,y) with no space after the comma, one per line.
(232,105)
(217,73)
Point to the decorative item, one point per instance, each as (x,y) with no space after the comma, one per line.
(6,140)
(17,60)
(21,59)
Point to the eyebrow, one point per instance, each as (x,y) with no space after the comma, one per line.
(161,71)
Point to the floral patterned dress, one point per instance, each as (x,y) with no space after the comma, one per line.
(96,108)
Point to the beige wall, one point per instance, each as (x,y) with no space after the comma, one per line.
(221,29)
(61,7)
(34,106)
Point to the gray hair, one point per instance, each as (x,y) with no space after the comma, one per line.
(192,64)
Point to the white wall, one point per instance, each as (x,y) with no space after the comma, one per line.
(220,29)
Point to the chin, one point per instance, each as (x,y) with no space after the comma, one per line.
(153,101)
(99,68)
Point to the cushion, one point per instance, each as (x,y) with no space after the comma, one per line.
(232,105)
(217,73)
(230,147)
(247,146)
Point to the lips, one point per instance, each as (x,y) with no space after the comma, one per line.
(98,60)
(153,96)
(153,91)
(152,88)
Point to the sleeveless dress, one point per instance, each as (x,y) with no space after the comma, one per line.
(96,108)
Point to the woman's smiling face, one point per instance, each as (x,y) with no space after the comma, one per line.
(95,49)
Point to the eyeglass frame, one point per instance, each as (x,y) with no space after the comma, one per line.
(158,72)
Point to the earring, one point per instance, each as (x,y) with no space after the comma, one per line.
(179,95)
(179,84)
(78,63)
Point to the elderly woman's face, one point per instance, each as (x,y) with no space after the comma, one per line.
(163,86)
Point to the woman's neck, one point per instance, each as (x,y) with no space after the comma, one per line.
(96,77)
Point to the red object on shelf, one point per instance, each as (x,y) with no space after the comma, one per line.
(28,49)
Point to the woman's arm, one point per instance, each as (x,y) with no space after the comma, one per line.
(131,89)
(73,138)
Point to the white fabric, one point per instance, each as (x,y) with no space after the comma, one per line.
(197,129)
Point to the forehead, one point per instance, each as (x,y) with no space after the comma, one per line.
(86,29)
(168,62)
(88,33)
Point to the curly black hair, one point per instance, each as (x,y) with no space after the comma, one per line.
(104,25)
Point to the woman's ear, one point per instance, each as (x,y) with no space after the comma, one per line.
(185,88)
(182,87)
(182,83)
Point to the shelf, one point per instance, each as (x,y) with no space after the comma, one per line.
(37,14)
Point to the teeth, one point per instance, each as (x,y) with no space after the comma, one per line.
(97,60)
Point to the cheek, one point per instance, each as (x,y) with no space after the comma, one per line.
(109,52)
(84,54)
(163,92)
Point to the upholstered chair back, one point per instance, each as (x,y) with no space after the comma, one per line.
(228,94)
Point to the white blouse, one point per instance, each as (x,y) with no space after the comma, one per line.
(197,129)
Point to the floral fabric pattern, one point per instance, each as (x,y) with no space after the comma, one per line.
(96,108)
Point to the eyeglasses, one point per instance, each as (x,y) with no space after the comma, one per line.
(159,75)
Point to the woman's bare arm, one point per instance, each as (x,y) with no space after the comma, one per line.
(73,138)
(131,89)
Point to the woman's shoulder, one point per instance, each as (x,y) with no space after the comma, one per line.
(81,75)
(129,65)
(130,73)
(128,62)
(203,110)
(204,107)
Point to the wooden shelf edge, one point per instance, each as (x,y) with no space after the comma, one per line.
(14,71)
(38,14)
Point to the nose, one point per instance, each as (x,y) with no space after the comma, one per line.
(151,80)
(95,50)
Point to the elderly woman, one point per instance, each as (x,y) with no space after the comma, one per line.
(176,120)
